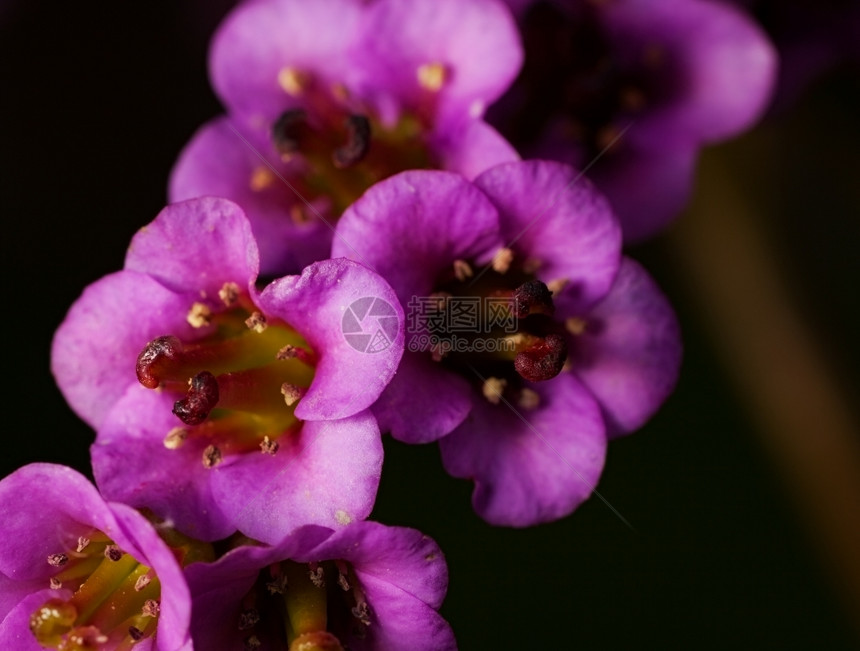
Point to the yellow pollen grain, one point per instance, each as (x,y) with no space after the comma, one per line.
(502,260)
(257,322)
(293,82)
(493,388)
(462,270)
(261,178)
(175,438)
(555,286)
(528,399)
(229,294)
(432,76)
(291,393)
(199,315)
(575,325)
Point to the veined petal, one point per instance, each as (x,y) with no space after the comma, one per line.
(197,246)
(353,321)
(326,474)
(630,352)
(530,466)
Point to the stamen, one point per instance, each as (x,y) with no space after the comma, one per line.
(287,130)
(199,315)
(528,399)
(277,585)
(248,619)
(201,398)
(292,81)
(83,541)
(361,612)
(269,446)
(575,325)
(151,608)
(141,582)
(543,360)
(57,560)
(531,265)
(296,352)
(175,438)
(252,643)
(432,76)
(357,144)
(135,633)
(532,297)
(211,457)
(292,394)
(229,294)
(493,388)
(56,584)
(257,322)
(557,285)
(113,553)
(502,260)
(462,270)
(316,575)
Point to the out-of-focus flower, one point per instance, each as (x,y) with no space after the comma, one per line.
(529,337)
(640,85)
(366,587)
(325,97)
(77,572)
(258,419)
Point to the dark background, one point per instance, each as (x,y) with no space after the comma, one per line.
(98,98)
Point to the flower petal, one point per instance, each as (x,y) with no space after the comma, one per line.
(326,474)
(727,66)
(472,149)
(399,622)
(226,163)
(423,402)
(531,466)
(44,508)
(402,557)
(15,629)
(94,350)
(550,213)
(630,353)
(413,226)
(131,465)
(260,39)
(196,246)
(476,42)
(354,322)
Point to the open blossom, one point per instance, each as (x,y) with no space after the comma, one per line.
(529,336)
(219,406)
(77,572)
(325,97)
(366,587)
(635,87)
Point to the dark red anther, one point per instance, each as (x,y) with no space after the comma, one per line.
(542,361)
(287,130)
(157,350)
(533,297)
(201,398)
(357,144)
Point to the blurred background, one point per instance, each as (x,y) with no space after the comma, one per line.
(742,492)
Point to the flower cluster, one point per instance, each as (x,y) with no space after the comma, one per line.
(353,251)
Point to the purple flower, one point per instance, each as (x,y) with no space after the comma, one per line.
(259,419)
(325,97)
(529,337)
(366,587)
(75,569)
(636,88)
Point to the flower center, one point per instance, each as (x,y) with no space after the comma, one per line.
(497,328)
(115,600)
(238,385)
(343,148)
(304,607)
(573,69)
